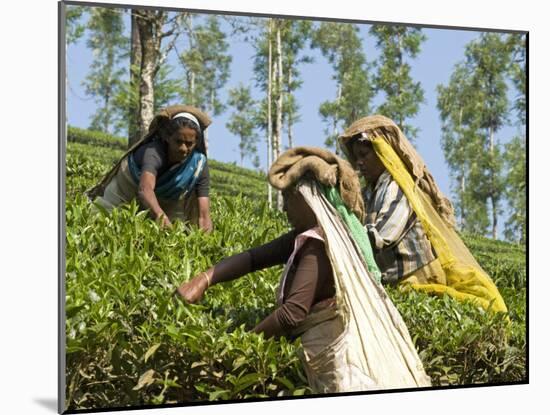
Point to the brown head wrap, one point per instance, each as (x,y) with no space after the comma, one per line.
(167,113)
(327,168)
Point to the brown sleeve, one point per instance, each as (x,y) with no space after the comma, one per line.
(273,253)
(312,282)
(152,157)
(231,268)
(203,183)
(264,256)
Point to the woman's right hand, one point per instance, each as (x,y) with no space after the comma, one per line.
(193,290)
(148,199)
(164,221)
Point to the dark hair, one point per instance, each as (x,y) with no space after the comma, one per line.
(358,138)
(169,127)
(348,147)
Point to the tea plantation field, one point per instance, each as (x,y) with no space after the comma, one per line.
(130,342)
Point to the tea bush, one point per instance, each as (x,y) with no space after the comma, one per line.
(131,342)
(126,331)
(97,138)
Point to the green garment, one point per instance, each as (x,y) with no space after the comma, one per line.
(356,229)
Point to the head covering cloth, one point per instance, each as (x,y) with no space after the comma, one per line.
(381,126)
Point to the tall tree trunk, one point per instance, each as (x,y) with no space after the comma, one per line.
(495,215)
(493,190)
(106,118)
(192,88)
(279,84)
(108,93)
(191,37)
(269,138)
(135,69)
(274,130)
(462,172)
(335,124)
(191,47)
(149,34)
(462,193)
(289,117)
(400,120)
(190,73)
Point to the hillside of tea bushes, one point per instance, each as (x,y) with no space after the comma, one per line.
(131,342)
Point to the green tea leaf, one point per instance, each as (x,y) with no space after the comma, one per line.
(246,381)
(145,379)
(150,352)
(216,394)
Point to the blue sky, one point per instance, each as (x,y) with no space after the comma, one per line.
(442,49)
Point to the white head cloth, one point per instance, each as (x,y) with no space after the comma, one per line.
(189,117)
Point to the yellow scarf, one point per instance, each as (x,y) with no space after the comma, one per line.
(466,280)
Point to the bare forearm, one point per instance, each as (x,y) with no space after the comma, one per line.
(205,223)
(226,270)
(149,201)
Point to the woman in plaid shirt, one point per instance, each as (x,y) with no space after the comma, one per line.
(410,222)
(401,247)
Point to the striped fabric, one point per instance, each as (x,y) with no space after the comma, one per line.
(400,244)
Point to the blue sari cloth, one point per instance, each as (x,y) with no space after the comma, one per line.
(177,181)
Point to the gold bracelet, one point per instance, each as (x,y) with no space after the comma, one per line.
(207,279)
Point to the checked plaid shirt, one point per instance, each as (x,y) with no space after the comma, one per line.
(398,240)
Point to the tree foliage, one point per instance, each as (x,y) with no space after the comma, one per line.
(279,52)
(74,27)
(341,45)
(474,107)
(403,96)
(294,36)
(516,150)
(109,45)
(242,123)
(206,64)
(516,189)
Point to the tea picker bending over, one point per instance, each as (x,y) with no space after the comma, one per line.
(352,336)
(167,170)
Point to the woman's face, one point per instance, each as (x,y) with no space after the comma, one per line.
(298,212)
(181,143)
(368,163)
